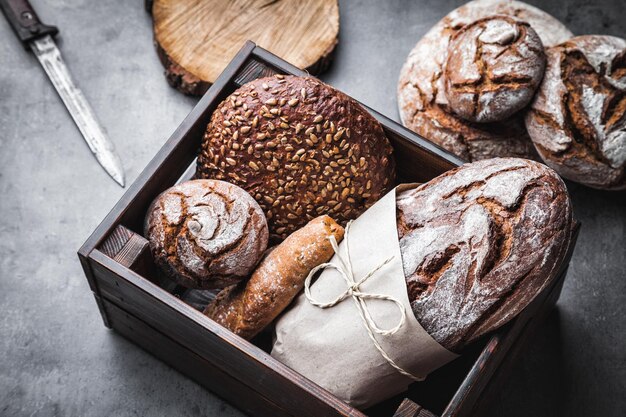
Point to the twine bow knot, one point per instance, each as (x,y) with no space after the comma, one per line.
(353,290)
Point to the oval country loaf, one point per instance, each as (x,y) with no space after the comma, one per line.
(422,102)
(479,242)
(247,308)
(300,148)
(493,67)
(206,233)
(578,118)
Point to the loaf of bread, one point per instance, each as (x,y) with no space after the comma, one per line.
(424,107)
(249,307)
(479,242)
(206,233)
(493,67)
(578,118)
(300,148)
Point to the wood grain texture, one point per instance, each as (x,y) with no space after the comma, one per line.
(195,40)
(409,409)
(116,242)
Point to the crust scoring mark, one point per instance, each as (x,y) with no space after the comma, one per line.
(578,119)
(196,229)
(493,66)
(471,241)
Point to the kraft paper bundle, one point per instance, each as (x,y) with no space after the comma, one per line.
(357,339)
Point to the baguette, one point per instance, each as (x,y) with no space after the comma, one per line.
(249,307)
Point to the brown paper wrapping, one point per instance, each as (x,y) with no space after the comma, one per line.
(331,346)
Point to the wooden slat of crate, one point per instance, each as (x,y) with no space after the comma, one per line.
(190,364)
(224,350)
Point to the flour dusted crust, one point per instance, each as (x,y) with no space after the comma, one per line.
(424,107)
(301,149)
(479,242)
(247,308)
(493,67)
(206,233)
(578,118)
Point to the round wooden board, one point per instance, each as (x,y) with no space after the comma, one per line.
(195,39)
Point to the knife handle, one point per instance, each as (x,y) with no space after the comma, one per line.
(24,21)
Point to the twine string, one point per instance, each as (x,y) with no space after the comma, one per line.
(344,268)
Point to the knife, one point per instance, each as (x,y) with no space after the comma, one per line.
(39,38)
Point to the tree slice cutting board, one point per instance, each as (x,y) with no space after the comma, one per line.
(195,39)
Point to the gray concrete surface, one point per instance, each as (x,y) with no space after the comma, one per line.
(56,357)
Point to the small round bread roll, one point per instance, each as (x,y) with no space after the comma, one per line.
(493,68)
(300,148)
(206,234)
(578,118)
(424,107)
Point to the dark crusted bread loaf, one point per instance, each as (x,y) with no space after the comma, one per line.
(300,148)
(493,68)
(578,119)
(206,233)
(247,308)
(422,102)
(479,242)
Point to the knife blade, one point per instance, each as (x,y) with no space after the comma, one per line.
(38,37)
(49,56)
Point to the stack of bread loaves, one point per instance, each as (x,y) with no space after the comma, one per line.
(292,161)
(493,78)
(294,152)
(465,253)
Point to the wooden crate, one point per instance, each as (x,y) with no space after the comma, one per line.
(136,303)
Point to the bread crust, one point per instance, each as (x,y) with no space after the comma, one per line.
(301,149)
(249,307)
(479,242)
(578,118)
(493,67)
(206,233)
(424,107)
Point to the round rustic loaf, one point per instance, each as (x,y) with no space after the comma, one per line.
(300,148)
(422,102)
(206,233)
(479,242)
(578,118)
(493,67)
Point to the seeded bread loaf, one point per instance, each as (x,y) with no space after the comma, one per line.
(300,148)
(578,118)
(247,308)
(479,242)
(422,102)
(206,233)
(493,67)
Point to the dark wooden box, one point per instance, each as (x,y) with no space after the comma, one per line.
(143,309)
